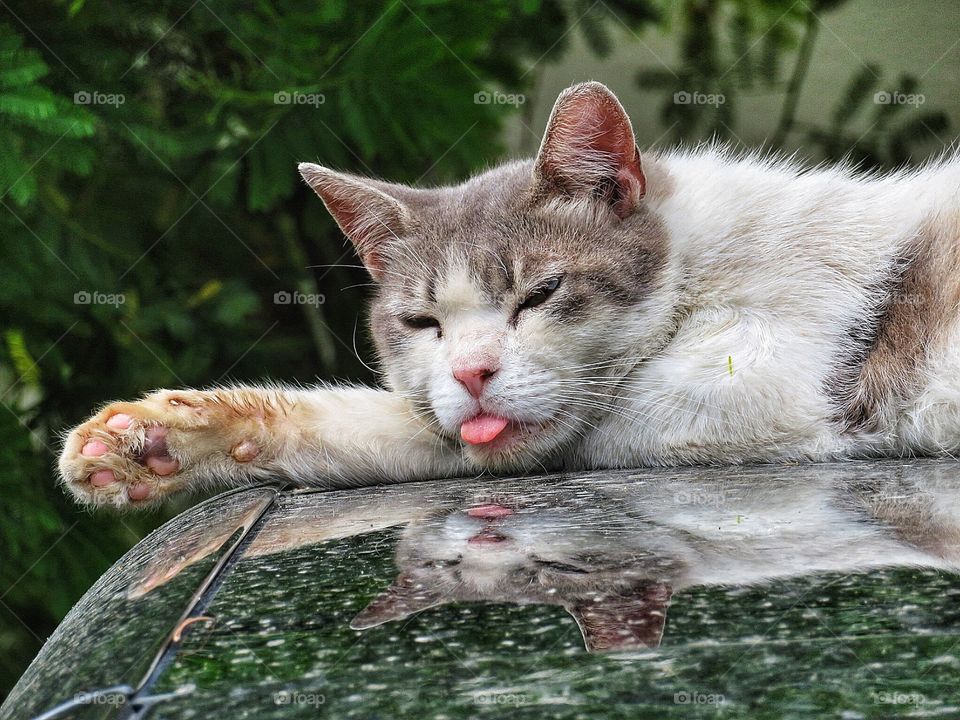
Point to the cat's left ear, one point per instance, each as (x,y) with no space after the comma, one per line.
(368,215)
(621,622)
(402,599)
(589,150)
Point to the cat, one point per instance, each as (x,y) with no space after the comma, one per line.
(595,308)
(614,549)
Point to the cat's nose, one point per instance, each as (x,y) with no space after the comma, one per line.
(474,378)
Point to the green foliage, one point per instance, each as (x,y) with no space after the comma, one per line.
(151,210)
(35,122)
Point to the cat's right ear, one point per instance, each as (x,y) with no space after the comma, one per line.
(589,150)
(368,216)
(634,619)
(403,598)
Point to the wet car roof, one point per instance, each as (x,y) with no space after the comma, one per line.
(785,591)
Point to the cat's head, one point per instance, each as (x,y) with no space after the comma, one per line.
(613,573)
(507,306)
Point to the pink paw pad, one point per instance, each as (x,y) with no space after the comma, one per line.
(102,478)
(120,421)
(138,492)
(155,454)
(94,448)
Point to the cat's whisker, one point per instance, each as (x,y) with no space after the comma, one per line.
(357,285)
(580,425)
(612,400)
(352,266)
(376,373)
(633,414)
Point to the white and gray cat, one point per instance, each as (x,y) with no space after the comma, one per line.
(594,309)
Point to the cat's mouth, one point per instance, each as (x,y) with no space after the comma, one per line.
(487,536)
(495,432)
(490,513)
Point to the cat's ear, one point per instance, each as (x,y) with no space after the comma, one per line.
(368,215)
(589,149)
(402,599)
(620,622)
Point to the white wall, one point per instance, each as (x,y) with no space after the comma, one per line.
(920,37)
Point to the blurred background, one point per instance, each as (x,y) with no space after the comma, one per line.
(154,231)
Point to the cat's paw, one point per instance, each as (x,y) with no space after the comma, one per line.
(135,454)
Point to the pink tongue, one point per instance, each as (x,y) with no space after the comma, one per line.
(490,511)
(482,429)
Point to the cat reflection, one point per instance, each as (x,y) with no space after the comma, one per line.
(613,558)
(611,571)
(612,550)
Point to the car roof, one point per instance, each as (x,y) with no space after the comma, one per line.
(811,588)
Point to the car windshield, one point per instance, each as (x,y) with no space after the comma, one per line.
(696,592)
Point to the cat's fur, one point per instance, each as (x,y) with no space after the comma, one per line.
(711,309)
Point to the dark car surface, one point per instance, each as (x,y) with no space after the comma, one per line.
(780,592)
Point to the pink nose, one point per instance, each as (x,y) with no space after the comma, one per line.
(473,379)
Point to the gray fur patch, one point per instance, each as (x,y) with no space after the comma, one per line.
(922,296)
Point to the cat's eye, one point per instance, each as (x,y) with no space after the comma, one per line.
(561,567)
(443,562)
(421,322)
(541,293)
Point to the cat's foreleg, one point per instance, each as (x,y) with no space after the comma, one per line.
(136,453)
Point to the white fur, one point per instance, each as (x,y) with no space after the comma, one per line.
(777,263)
(770,266)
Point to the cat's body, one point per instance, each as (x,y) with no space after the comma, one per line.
(587,310)
(817,316)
